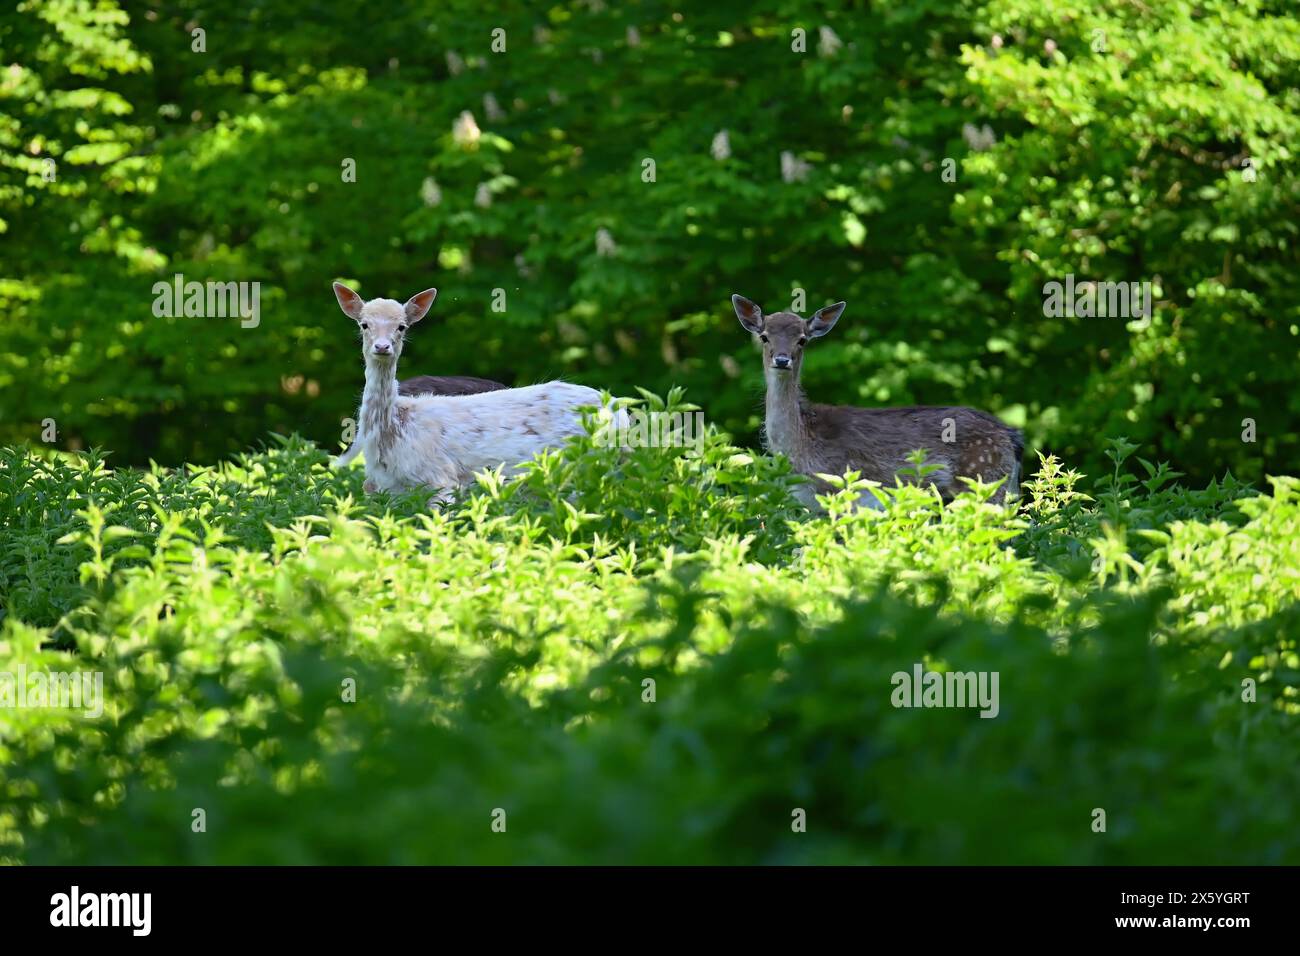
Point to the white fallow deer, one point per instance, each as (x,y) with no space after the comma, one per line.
(439,441)
(832,439)
(428,385)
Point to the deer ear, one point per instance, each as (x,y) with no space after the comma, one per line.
(418,305)
(349,301)
(750,315)
(823,320)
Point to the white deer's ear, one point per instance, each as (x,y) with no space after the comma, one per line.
(750,315)
(823,320)
(418,305)
(349,301)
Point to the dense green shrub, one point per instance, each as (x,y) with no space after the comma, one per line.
(501,649)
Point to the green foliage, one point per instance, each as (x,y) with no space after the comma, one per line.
(501,650)
(650,499)
(1117,149)
(933,164)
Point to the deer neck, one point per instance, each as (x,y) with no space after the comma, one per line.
(784,421)
(379,407)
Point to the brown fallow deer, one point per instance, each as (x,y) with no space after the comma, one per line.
(876,442)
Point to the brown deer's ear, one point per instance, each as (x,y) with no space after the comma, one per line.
(418,305)
(349,301)
(823,320)
(750,315)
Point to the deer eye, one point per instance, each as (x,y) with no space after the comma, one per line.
(762,338)
(364,325)
(803,340)
(401,328)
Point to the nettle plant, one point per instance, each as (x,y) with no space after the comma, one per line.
(1108,534)
(505,645)
(646,499)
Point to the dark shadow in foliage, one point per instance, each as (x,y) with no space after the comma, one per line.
(789,716)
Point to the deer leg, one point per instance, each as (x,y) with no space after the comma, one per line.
(1010,490)
(347,457)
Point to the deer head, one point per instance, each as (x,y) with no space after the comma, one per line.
(784,334)
(383,322)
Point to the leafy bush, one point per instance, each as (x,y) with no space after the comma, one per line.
(502,652)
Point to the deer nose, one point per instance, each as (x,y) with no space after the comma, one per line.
(781,361)
(383,348)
